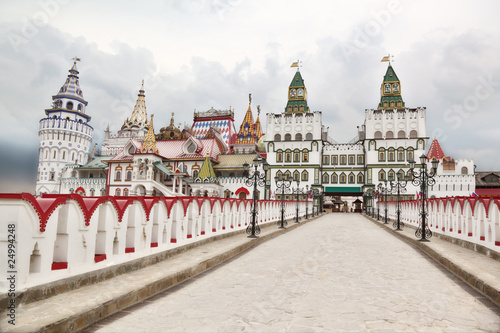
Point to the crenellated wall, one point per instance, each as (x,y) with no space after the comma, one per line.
(63,235)
(473,219)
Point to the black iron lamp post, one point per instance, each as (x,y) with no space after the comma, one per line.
(384,189)
(307,199)
(284,185)
(255,178)
(378,205)
(423,179)
(399,186)
(297,191)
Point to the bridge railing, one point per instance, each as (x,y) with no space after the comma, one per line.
(474,219)
(59,236)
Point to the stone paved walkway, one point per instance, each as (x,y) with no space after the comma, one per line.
(340,273)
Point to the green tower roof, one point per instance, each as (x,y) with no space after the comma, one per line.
(390,91)
(297,80)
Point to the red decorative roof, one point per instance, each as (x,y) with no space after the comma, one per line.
(435,151)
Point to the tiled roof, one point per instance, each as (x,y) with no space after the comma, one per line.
(234,161)
(207,170)
(96,163)
(435,151)
(71,87)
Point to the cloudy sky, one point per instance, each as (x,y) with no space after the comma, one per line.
(199,54)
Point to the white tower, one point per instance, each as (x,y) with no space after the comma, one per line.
(65,135)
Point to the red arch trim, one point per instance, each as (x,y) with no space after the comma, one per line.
(242,189)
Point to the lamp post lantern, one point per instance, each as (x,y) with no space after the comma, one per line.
(384,189)
(284,185)
(423,179)
(254,178)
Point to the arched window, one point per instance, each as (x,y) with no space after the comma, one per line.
(325,178)
(305,176)
(390,155)
(409,154)
(335,178)
(125,192)
(298,137)
(296,176)
(391,175)
(401,154)
(296,156)
(401,135)
(389,135)
(80,107)
(279,174)
(69,105)
(413,134)
(195,173)
(288,137)
(91,175)
(92,192)
(381,155)
(288,156)
(277,137)
(381,175)
(288,175)
(464,170)
(305,155)
(361,178)
(118,192)
(342,178)
(279,156)
(309,136)
(378,135)
(118,175)
(352,178)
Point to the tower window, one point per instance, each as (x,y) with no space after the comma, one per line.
(288,137)
(277,137)
(389,135)
(309,136)
(69,105)
(298,137)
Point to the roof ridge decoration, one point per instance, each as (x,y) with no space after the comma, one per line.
(139,117)
(258,128)
(390,89)
(435,151)
(149,145)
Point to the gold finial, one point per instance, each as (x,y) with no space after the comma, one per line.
(75,59)
(258,110)
(249,99)
(142,86)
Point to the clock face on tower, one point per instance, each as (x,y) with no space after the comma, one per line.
(293,92)
(300,92)
(395,87)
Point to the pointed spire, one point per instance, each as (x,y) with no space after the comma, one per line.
(436,152)
(390,91)
(207,170)
(71,87)
(149,145)
(246,134)
(297,95)
(258,128)
(139,117)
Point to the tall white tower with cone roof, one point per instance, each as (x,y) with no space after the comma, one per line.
(65,135)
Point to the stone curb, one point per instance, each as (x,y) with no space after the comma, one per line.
(470,278)
(91,316)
